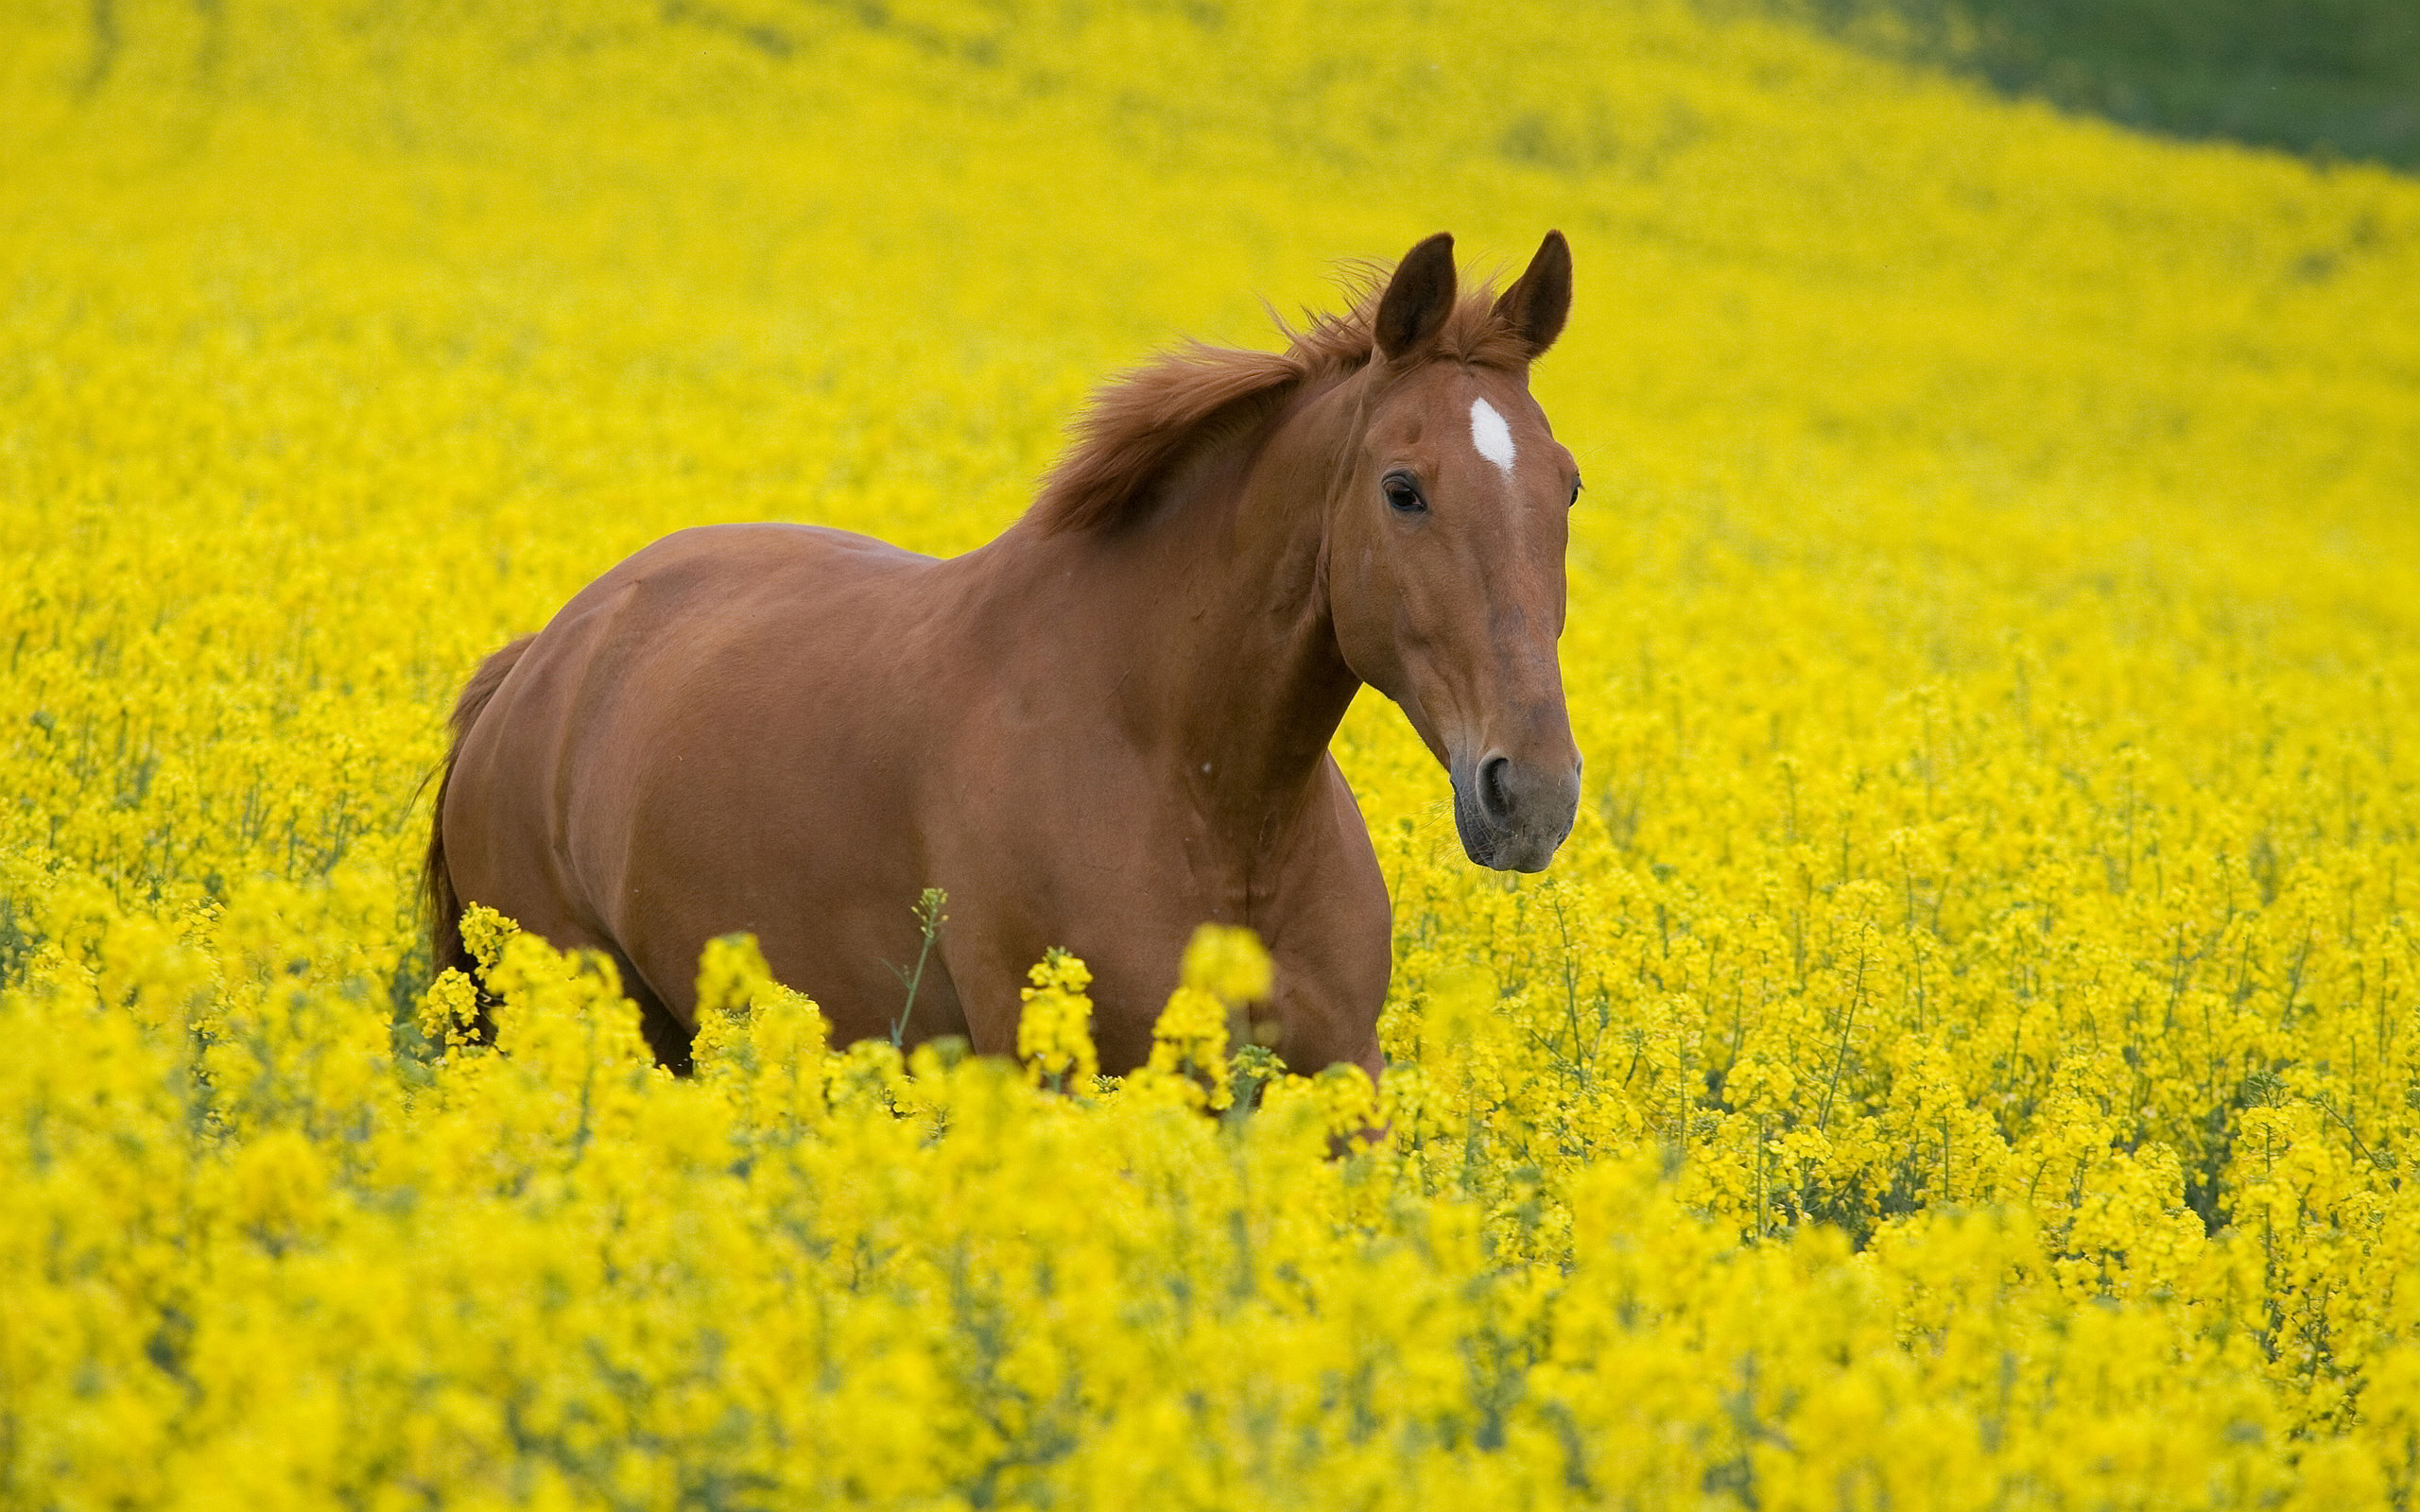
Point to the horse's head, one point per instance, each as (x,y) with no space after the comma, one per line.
(1444,545)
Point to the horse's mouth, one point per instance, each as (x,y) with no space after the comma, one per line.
(1524,840)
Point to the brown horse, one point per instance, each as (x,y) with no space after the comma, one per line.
(1102,729)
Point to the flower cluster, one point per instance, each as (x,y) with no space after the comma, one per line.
(1054,1031)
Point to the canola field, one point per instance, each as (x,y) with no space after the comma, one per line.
(1964,1057)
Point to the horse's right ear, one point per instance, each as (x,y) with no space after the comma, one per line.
(1418,298)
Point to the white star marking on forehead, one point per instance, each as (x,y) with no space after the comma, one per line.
(1492,437)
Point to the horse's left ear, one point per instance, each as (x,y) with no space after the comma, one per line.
(1536,306)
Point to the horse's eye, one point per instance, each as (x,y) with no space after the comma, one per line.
(1403,494)
(1575,494)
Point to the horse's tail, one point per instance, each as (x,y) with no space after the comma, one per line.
(446,948)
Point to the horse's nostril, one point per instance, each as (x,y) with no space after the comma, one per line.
(1491,795)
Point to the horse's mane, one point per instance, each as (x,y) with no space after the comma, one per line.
(1141,423)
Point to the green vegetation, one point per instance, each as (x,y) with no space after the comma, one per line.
(2328,78)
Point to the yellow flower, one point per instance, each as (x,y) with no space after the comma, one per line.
(1054,1033)
(448,1010)
(1227,962)
(485,933)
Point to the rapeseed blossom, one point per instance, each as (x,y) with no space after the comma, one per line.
(1054,1028)
(1963,1055)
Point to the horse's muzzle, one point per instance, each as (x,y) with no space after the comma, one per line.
(1512,815)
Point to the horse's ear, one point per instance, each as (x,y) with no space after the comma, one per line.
(1418,298)
(1536,306)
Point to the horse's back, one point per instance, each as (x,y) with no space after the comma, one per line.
(673,633)
(713,580)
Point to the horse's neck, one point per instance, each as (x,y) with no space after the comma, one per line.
(1210,621)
